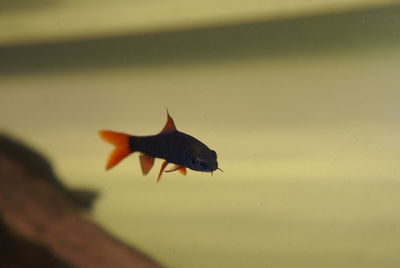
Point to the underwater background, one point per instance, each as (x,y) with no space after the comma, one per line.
(300,101)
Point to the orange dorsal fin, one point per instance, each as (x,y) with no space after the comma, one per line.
(170,125)
(121,142)
(163,166)
(181,169)
(146,162)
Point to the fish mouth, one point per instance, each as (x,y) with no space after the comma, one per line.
(206,167)
(212,169)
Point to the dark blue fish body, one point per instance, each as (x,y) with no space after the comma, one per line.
(170,144)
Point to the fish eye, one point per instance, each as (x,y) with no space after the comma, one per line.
(195,160)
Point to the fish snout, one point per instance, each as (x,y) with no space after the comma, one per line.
(213,166)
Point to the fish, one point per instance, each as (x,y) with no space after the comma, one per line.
(171,145)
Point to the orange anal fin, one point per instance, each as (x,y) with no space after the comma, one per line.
(169,125)
(181,169)
(146,162)
(163,166)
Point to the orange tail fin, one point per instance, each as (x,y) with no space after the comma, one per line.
(121,142)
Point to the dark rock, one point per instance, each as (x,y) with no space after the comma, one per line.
(41,226)
(39,167)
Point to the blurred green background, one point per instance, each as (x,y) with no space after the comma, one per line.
(300,99)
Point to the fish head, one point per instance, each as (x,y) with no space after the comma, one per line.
(201,159)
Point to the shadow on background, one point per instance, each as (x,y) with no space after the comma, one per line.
(13,6)
(349,31)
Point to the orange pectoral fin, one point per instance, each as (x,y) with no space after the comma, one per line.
(163,166)
(181,169)
(146,162)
